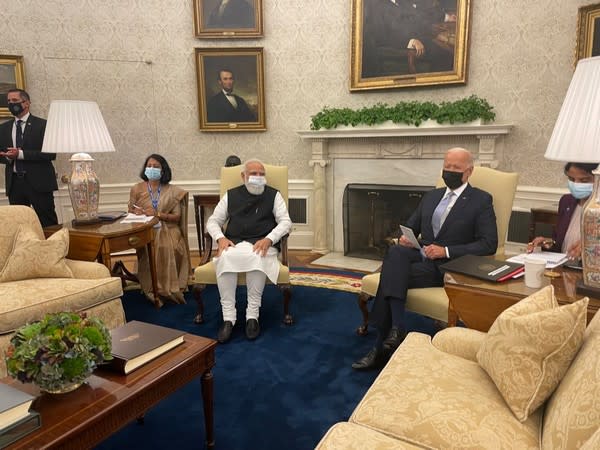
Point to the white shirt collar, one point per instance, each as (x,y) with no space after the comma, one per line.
(24,118)
(458,191)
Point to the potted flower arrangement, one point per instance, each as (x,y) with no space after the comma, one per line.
(58,352)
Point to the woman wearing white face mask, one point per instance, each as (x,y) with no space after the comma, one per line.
(155,196)
(567,233)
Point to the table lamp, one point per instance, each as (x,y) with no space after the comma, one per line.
(77,127)
(576,138)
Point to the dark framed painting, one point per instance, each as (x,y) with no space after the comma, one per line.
(407,43)
(588,32)
(12,76)
(228,18)
(231,93)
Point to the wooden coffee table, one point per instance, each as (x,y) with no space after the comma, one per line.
(109,401)
(477,302)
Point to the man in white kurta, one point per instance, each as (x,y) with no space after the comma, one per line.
(257,219)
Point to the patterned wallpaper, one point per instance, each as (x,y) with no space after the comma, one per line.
(135,58)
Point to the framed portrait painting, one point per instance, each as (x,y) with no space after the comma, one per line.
(406,43)
(588,32)
(12,76)
(231,89)
(228,18)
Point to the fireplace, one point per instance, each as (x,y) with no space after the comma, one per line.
(372,214)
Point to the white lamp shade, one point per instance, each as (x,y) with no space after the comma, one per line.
(76,126)
(576,135)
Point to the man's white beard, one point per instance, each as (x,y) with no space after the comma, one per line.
(254,190)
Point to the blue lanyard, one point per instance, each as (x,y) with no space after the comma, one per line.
(153,199)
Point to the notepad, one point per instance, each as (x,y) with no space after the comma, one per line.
(552,259)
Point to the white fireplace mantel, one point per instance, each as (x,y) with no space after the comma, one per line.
(384,142)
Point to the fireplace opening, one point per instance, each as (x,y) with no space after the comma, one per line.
(372,215)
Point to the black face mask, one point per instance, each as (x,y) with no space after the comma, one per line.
(452,179)
(15,108)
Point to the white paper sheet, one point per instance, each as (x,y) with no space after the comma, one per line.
(552,259)
(408,233)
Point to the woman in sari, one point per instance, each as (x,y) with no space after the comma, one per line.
(155,196)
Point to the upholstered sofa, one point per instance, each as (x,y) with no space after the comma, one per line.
(36,278)
(444,393)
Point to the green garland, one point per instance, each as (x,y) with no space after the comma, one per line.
(410,113)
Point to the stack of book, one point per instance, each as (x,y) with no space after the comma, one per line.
(16,417)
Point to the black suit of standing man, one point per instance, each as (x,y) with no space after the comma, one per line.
(464,219)
(29,173)
(226,106)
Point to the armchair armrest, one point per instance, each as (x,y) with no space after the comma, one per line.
(87,269)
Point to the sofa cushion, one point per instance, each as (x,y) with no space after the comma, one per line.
(530,346)
(34,258)
(28,300)
(436,400)
(572,414)
(350,436)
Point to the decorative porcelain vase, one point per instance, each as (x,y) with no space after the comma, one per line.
(84,189)
(590,236)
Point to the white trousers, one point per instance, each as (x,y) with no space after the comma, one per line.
(227,283)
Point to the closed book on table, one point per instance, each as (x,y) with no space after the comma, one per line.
(483,267)
(14,405)
(31,422)
(137,343)
(111,215)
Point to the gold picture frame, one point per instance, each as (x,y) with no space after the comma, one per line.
(588,32)
(231,95)
(12,76)
(401,43)
(228,20)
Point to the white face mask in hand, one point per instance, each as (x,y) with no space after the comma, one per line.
(256,184)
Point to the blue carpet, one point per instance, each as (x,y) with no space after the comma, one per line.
(282,391)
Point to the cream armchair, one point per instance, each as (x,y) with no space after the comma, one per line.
(204,274)
(433,302)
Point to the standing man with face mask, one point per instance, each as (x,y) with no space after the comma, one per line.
(453,221)
(258,219)
(29,174)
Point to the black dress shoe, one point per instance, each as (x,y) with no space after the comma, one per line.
(224,333)
(373,360)
(394,339)
(252,329)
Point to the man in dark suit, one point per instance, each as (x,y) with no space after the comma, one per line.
(225,106)
(232,14)
(29,173)
(453,221)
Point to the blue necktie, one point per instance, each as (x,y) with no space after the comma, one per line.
(19,144)
(439,213)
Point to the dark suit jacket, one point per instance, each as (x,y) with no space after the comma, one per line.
(469,229)
(237,14)
(40,171)
(219,109)
(566,208)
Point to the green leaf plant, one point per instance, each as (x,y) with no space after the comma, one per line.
(409,113)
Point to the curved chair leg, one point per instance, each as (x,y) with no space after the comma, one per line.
(197,291)
(362,300)
(287,296)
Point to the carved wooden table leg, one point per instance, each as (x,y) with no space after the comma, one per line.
(207,399)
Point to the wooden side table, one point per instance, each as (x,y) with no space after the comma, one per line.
(477,303)
(97,242)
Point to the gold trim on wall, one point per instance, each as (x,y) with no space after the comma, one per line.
(246,23)
(12,75)
(246,64)
(587,20)
(435,57)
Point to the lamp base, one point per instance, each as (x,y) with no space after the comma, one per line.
(590,291)
(79,223)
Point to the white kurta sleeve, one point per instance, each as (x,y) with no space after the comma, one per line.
(214,224)
(284,223)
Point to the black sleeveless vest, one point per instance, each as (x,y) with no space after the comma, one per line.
(250,216)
